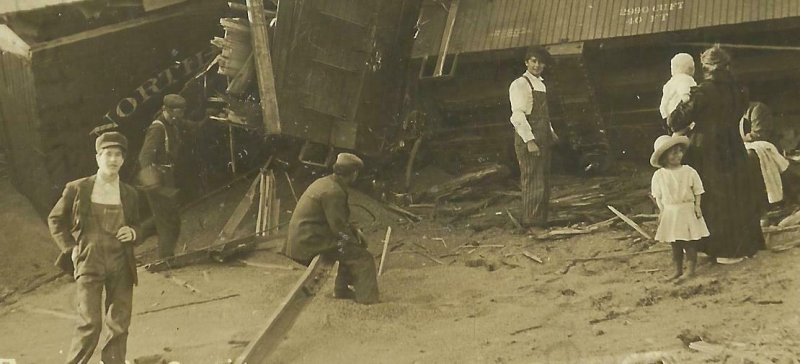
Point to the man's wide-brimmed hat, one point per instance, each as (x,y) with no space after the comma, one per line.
(662,144)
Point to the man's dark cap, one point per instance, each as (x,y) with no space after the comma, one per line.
(174,101)
(540,53)
(347,162)
(111,139)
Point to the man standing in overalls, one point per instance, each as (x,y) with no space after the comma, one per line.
(157,158)
(533,138)
(95,224)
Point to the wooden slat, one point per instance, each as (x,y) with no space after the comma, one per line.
(263,63)
(259,350)
(452,14)
(239,213)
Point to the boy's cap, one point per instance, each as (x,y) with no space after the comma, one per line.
(174,101)
(111,139)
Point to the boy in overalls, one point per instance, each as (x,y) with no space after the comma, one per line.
(95,224)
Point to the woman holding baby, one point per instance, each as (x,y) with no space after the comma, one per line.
(710,115)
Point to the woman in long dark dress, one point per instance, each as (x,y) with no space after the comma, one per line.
(732,199)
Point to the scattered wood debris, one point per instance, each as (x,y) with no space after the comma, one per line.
(385,248)
(611,315)
(630,222)
(496,171)
(532,257)
(267,265)
(188,304)
(520,331)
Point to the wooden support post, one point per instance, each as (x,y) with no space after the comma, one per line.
(385,248)
(291,186)
(448,33)
(231,148)
(263,62)
(258,351)
(276,216)
(238,213)
(261,202)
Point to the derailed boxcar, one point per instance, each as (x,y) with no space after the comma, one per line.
(611,59)
(339,69)
(56,83)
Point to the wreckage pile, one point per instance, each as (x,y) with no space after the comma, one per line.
(489,197)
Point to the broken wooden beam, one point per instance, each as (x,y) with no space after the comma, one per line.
(630,222)
(282,320)
(493,172)
(263,62)
(405,213)
(532,257)
(205,255)
(563,233)
(188,304)
(385,248)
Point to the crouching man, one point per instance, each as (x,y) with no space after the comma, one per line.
(95,224)
(320,224)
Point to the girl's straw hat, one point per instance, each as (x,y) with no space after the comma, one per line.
(663,143)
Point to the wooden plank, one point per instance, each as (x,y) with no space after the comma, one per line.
(204,255)
(282,320)
(238,214)
(385,248)
(447,35)
(262,202)
(238,84)
(109,29)
(630,222)
(263,63)
(12,43)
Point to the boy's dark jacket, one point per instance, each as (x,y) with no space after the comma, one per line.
(74,207)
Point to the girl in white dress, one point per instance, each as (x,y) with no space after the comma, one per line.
(676,189)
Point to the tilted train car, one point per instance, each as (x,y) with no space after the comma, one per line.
(611,60)
(63,67)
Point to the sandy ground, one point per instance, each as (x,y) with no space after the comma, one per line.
(482,305)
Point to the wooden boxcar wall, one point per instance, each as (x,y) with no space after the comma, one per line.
(500,24)
(73,81)
(339,67)
(20,121)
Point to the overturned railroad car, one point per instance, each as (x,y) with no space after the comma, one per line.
(611,60)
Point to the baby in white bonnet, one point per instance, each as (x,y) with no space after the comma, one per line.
(677,88)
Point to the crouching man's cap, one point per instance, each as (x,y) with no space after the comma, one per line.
(174,101)
(347,162)
(111,139)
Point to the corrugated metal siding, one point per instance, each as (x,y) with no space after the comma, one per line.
(483,25)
